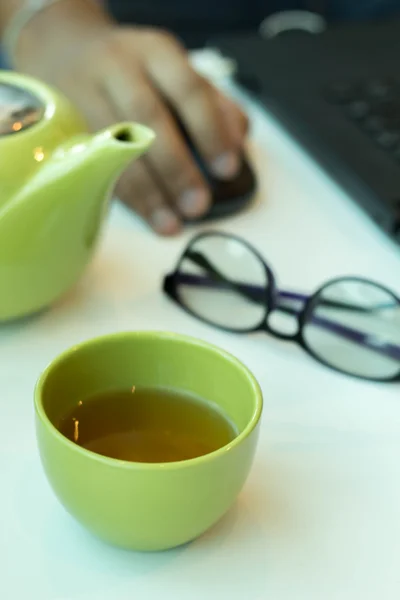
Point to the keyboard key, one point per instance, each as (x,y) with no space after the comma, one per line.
(374,124)
(380,88)
(340,92)
(358,109)
(388,139)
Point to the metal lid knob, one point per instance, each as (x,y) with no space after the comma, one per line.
(19,109)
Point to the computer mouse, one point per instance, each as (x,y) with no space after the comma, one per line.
(228,196)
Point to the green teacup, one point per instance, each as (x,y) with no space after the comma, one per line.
(144,506)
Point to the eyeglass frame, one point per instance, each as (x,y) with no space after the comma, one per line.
(170,288)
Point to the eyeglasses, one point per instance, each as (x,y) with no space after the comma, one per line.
(350,324)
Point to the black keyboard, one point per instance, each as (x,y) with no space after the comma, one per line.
(373,106)
(339,93)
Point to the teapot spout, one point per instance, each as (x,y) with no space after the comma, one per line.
(119,145)
(104,155)
(87,168)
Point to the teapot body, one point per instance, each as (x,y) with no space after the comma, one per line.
(42,252)
(55,184)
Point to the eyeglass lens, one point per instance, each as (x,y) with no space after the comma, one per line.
(354,326)
(223,282)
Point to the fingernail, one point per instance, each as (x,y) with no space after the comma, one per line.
(226,165)
(194,203)
(164,221)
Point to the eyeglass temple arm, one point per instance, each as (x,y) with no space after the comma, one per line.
(252,293)
(257,294)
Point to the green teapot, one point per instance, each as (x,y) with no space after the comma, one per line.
(55,184)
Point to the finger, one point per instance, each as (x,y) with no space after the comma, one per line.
(138,190)
(169,158)
(236,119)
(197,103)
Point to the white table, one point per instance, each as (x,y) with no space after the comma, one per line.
(319,518)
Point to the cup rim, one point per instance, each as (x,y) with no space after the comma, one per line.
(116,462)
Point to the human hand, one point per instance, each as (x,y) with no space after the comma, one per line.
(112,73)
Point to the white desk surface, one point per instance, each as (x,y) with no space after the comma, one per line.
(319,517)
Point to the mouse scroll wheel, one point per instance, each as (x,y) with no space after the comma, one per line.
(292,20)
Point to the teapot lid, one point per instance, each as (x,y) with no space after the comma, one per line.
(19,109)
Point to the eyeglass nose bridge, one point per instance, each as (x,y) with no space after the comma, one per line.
(277,333)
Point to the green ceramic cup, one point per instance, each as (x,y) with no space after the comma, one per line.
(142,506)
